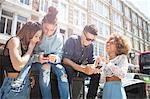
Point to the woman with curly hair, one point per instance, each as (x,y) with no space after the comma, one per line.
(115,68)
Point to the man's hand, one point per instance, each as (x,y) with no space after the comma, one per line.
(89,70)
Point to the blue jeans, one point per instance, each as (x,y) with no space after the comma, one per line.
(7,93)
(44,81)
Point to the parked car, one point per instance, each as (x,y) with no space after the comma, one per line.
(136,85)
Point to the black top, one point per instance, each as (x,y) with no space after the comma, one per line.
(6,61)
(76,52)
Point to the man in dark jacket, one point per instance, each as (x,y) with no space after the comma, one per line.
(78,59)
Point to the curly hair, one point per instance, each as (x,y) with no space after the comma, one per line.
(122,43)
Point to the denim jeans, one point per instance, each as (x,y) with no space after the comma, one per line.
(93,86)
(7,93)
(44,81)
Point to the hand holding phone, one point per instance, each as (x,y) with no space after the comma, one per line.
(52,58)
(45,55)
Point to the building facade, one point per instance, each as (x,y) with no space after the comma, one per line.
(108,15)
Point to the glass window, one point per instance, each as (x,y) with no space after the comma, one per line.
(79,18)
(99,8)
(141,47)
(140,22)
(101,49)
(9,24)
(81,2)
(93,6)
(136,44)
(106,12)
(20,22)
(144,26)
(63,16)
(6,22)
(25,2)
(44,5)
(127,12)
(134,17)
(76,16)
(140,34)
(83,19)
(117,19)
(2,24)
(107,30)
(95,49)
(98,48)
(131,40)
(135,30)
(100,25)
(128,26)
(117,4)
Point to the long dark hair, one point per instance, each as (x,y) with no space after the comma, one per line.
(27,32)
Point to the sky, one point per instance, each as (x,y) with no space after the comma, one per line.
(143,6)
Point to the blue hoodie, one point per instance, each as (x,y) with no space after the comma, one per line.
(51,45)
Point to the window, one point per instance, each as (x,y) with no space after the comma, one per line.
(76,16)
(44,5)
(63,14)
(142,46)
(127,12)
(134,17)
(103,29)
(117,4)
(100,25)
(81,2)
(25,2)
(117,19)
(140,34)
(99,8)
(135,30)
(140,22)
(20,22)
(95,49)
(79,18)
(98,49)
(6,22)
(144,26)
(136,44)
(101,49)
(106,30)
(128,26)
(83,20)
(131,40)
(106,12)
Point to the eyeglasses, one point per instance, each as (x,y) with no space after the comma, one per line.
(88,39)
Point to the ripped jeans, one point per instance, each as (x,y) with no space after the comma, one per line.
(44,81)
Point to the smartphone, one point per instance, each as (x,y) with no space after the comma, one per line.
(98,66)
(45,55)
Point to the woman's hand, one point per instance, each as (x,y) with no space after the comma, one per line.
(91,69)
(100,59)
(52,58)
(43,59)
